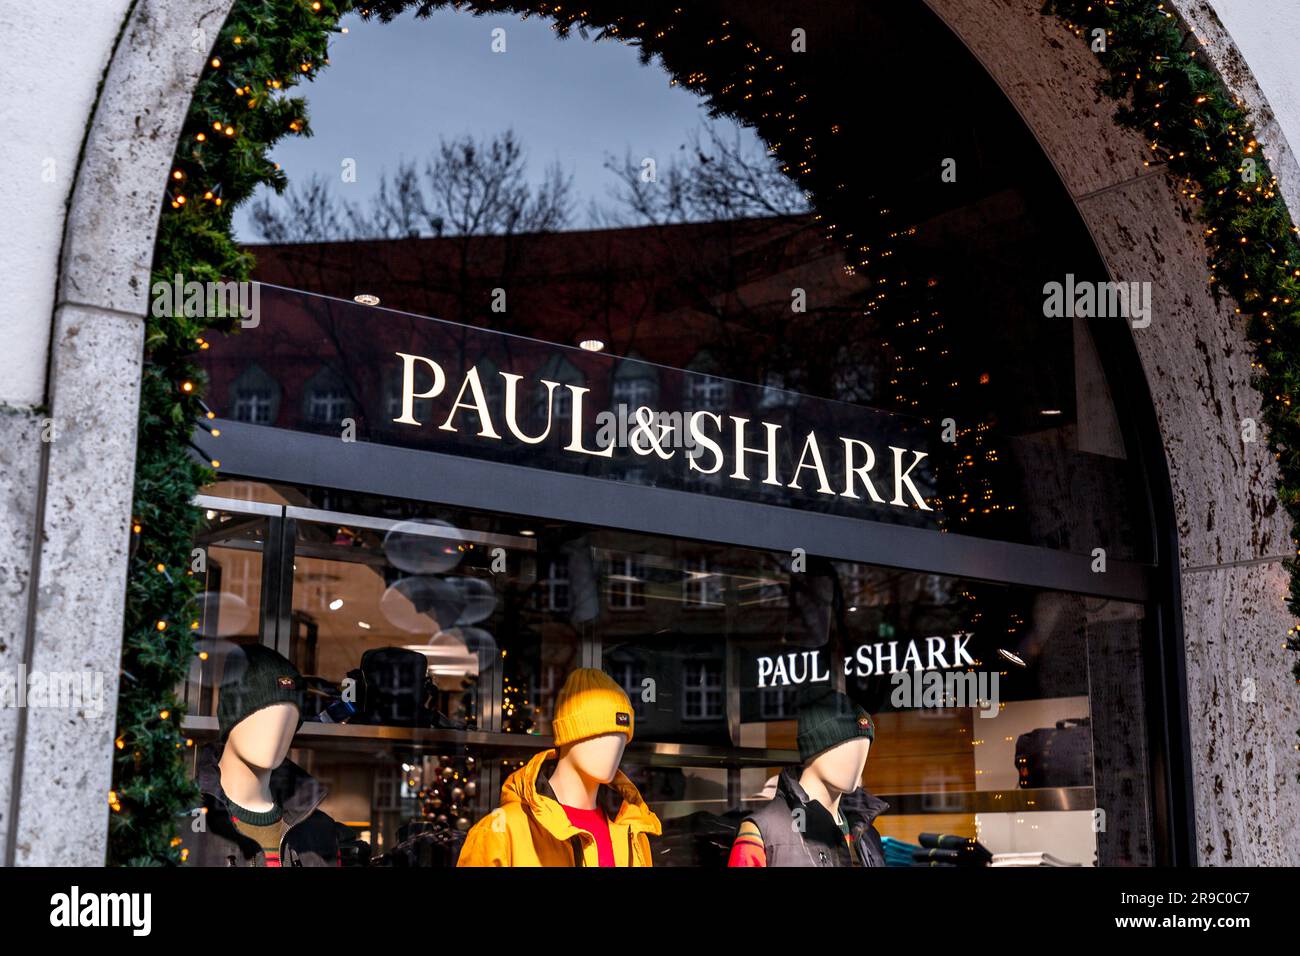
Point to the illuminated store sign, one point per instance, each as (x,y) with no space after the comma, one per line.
(371,377)
(738,447)
(867,660)
(922,654)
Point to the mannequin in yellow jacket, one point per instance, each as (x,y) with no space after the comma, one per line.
(593,724)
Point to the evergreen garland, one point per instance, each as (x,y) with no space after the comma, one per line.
(238,112)
(1204,137)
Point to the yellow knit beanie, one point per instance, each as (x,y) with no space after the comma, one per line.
(591,704)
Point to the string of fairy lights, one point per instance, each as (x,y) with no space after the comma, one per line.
(1203,136)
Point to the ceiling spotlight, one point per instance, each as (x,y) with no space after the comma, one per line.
(363,625)
(336,604)
(366,298)
(1012,656)
(1050,411)
(592,345)
(527,533)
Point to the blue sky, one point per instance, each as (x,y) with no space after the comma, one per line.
(391,90)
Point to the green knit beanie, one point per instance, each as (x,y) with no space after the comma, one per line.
(827,718)
(255,678)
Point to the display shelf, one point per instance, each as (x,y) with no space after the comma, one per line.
(365,737)
(1030,800)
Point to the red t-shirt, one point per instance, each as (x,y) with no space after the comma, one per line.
(594,822)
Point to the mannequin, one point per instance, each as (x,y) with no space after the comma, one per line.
(824,816)
(835,772)
(571,806)
(583,768)
(259,809)
(255,747)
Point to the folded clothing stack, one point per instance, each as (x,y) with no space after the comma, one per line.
(945,849)
(898,853)
(1029,859)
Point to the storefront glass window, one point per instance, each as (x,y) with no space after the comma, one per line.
(430,634)
(790,413)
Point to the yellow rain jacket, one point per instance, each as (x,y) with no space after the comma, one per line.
(530,828)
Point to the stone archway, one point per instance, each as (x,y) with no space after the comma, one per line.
(1232,536)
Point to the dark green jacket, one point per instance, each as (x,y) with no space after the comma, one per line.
(310,837)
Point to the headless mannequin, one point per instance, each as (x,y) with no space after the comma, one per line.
(256,746)
(583,766)
(835,772)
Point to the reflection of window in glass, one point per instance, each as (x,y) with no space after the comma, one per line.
(326,401)
(706,394)
(253,397)
(702,586)
(553,584)
(421,408)
(702,697)
(327,405)
(635,392)
(776,393)
(777,704)
(626,583)
(773,593)
(253,406)
(624,674)
(561,370)
(768,590)
(561,408)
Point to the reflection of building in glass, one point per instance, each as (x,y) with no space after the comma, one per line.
(702,588)
(626,583)
(254,397)
(553,584)
(702,692)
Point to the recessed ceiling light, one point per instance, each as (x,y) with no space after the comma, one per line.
(336,604)
(366,298)
(591,345)
(853,609)
(1050,411)
(527,533)
(363,625)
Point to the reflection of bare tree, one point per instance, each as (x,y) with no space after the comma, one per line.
(466,191)
(479,200)
(716,179)
(751,211)
(466,188)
